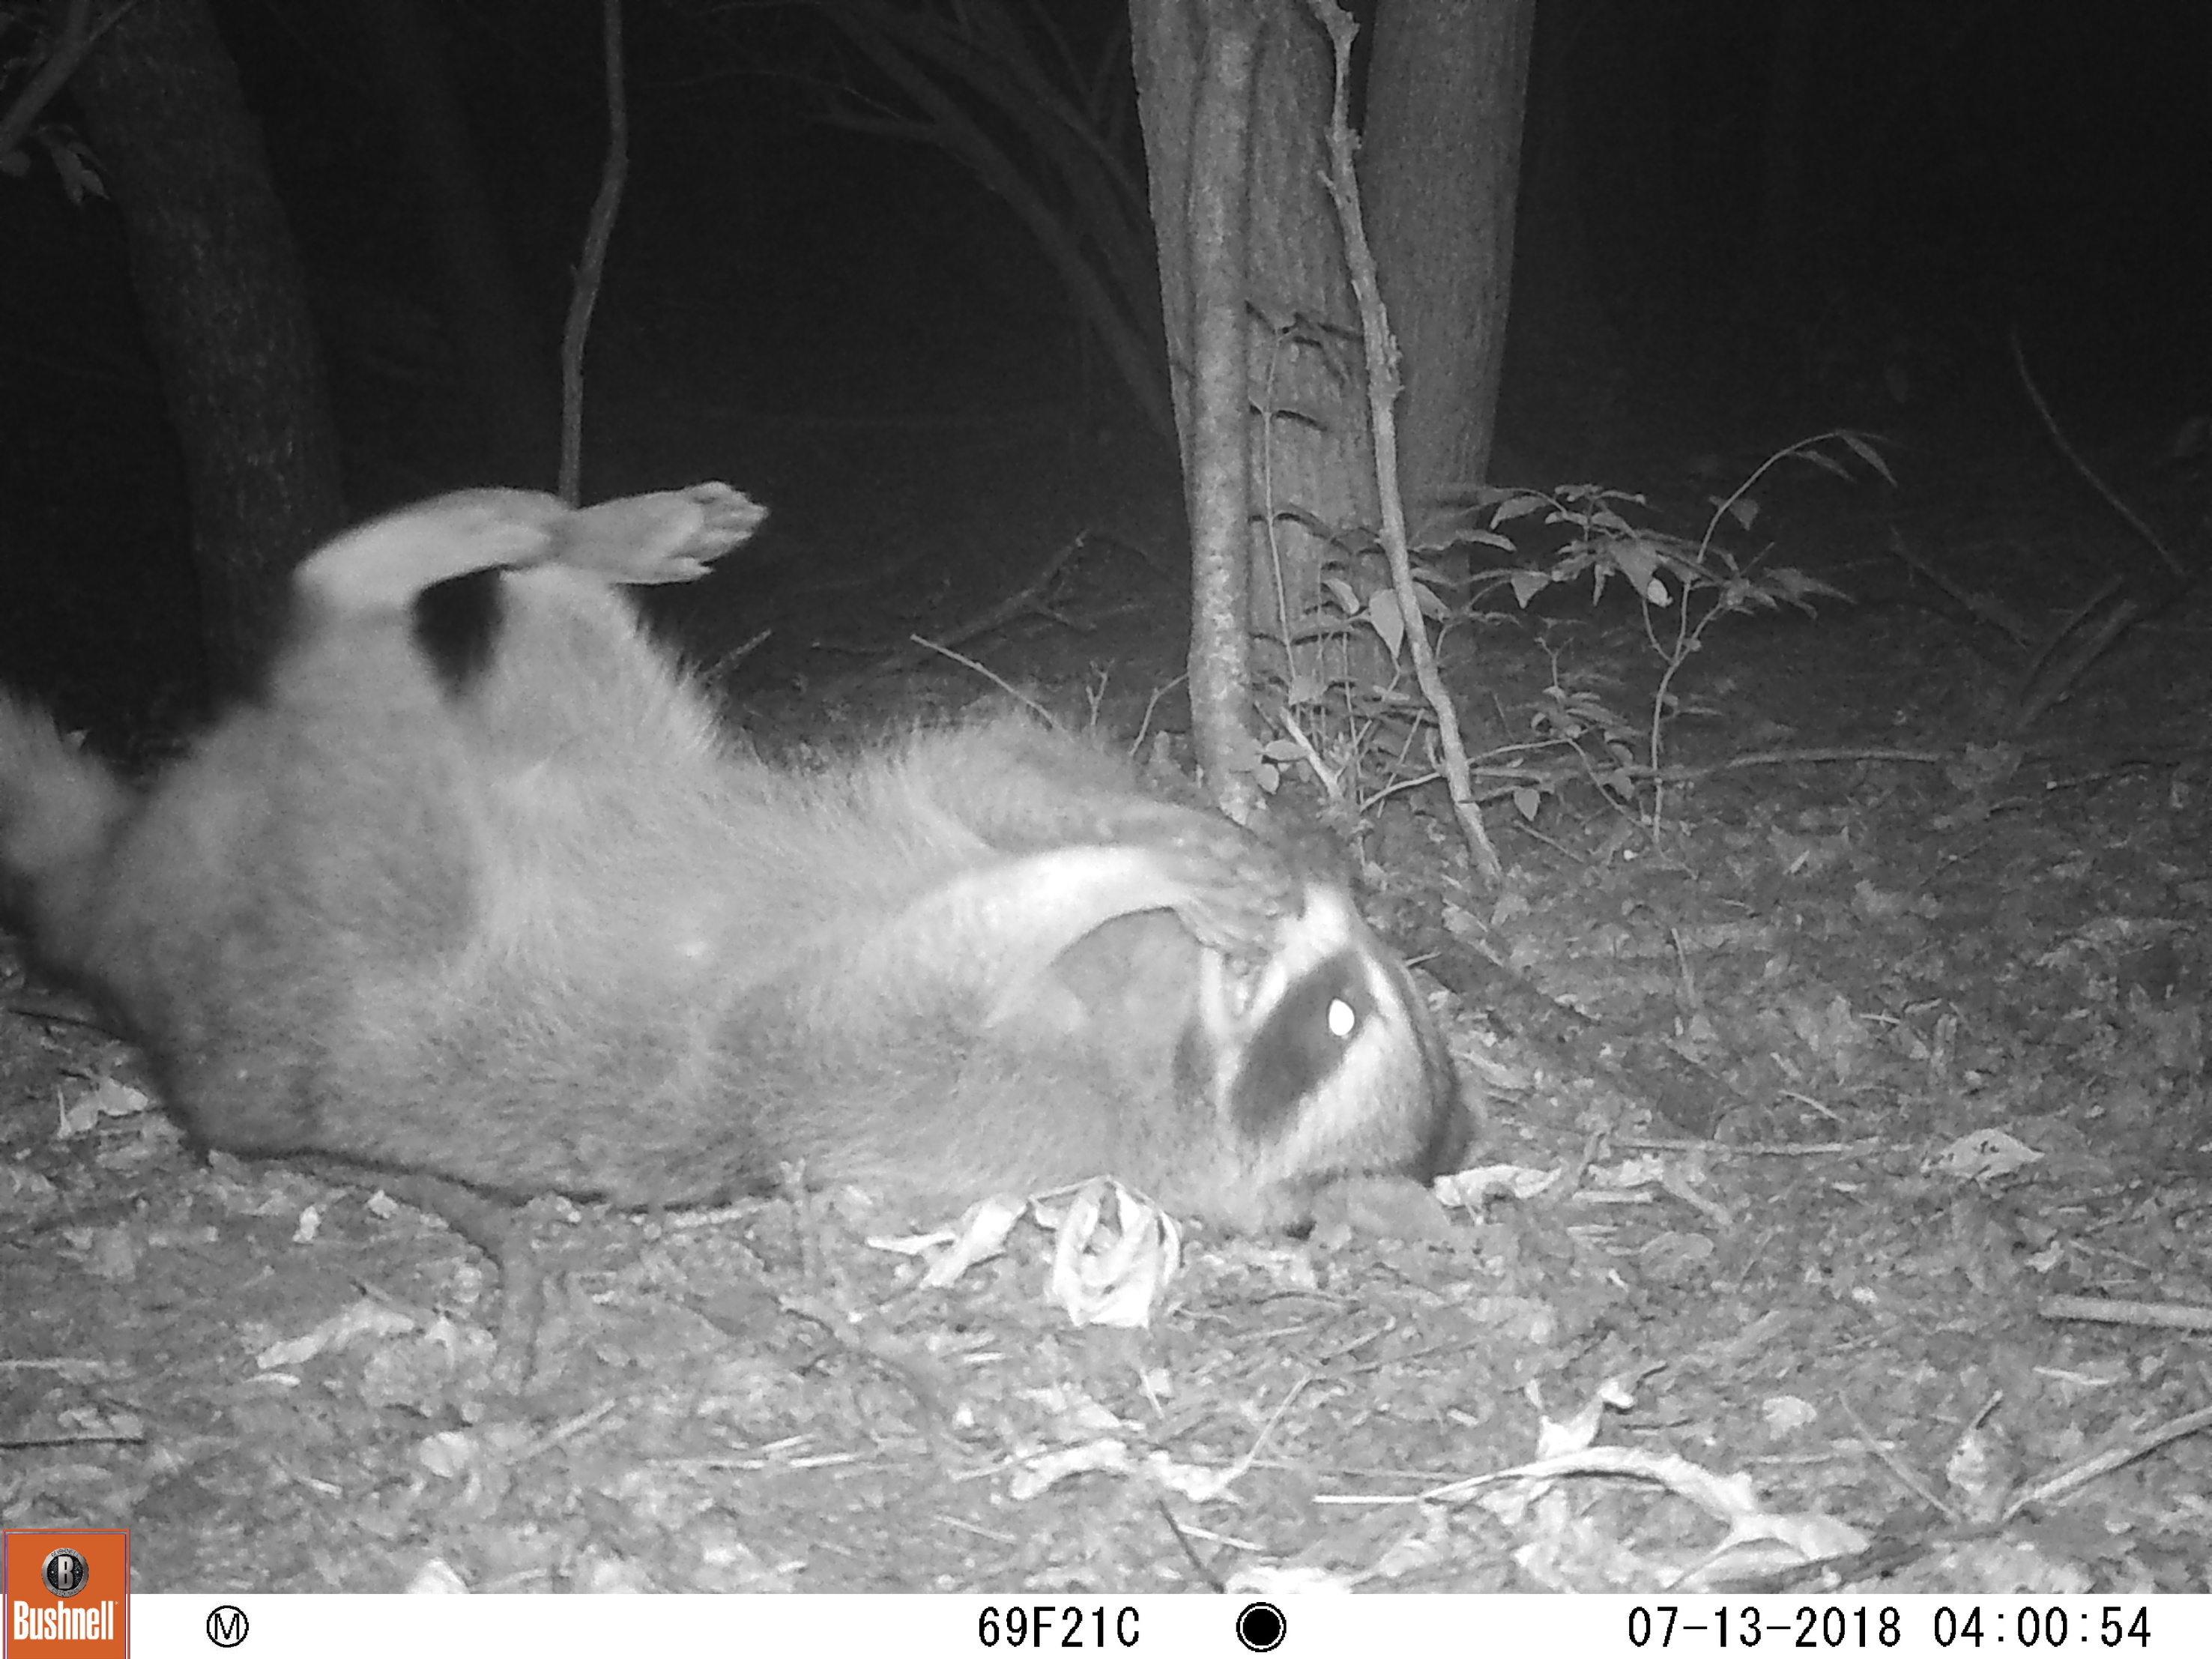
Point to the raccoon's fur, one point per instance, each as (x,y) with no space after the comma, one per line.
(536,923)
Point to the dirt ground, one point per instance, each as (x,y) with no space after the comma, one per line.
(1948,1245)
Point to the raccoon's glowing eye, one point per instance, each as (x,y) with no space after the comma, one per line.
(1342,1021)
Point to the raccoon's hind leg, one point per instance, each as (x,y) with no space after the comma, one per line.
(382,568)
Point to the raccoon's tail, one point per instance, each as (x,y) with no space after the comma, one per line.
(58,811)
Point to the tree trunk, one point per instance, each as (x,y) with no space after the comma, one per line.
(1310,457)
(224,309)
(1164,50)
(1217,466)
(508,378)
(1440,169)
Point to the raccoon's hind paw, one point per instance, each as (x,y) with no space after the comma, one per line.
(727,515)
(671,536)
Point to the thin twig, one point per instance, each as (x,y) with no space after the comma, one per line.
(2105,1462)
(2128,515)
(1029,597)
(72,45)
(1802,757)
(591,267)
(1981,607)
(1383,386)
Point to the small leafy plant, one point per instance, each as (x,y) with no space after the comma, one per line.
(1348,727)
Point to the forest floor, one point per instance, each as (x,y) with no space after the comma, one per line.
(1954,1007)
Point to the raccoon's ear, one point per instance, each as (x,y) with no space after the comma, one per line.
(997,930)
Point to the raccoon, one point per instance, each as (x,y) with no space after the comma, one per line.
(532,921)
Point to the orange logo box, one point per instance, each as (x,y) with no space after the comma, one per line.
(67,1594)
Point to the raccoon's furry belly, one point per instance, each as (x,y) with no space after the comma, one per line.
(537,925)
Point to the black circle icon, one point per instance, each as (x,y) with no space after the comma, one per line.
(1261,1628)
(65,1573)
(226,1625)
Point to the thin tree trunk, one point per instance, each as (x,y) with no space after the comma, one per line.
(1440,169)
(224,309)
(1164,49)
(1311,472)
(1217,474)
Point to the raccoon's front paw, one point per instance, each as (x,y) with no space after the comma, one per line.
(1236,890)
(671,536)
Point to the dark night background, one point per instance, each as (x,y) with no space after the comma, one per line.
(859,333)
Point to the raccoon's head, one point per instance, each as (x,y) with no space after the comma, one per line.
(1320,1062)
(1114,1042)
